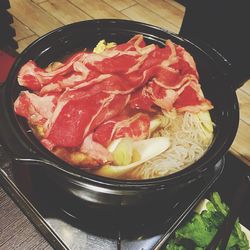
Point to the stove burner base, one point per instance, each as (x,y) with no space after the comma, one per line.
(74,228)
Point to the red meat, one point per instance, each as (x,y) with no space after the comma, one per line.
(87,93)
(136,127)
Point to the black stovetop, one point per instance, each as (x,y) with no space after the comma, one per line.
(94,230)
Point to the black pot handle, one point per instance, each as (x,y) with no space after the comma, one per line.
(41,162)
(8,158)
(33,161)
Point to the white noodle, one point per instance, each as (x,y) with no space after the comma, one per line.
(189,141)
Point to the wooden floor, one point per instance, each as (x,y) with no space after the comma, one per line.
(33,18)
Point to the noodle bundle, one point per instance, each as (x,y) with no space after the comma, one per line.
(189,141)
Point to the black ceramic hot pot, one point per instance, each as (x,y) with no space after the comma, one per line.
(100,191)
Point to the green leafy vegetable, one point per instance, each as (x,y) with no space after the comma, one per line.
(198,232)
